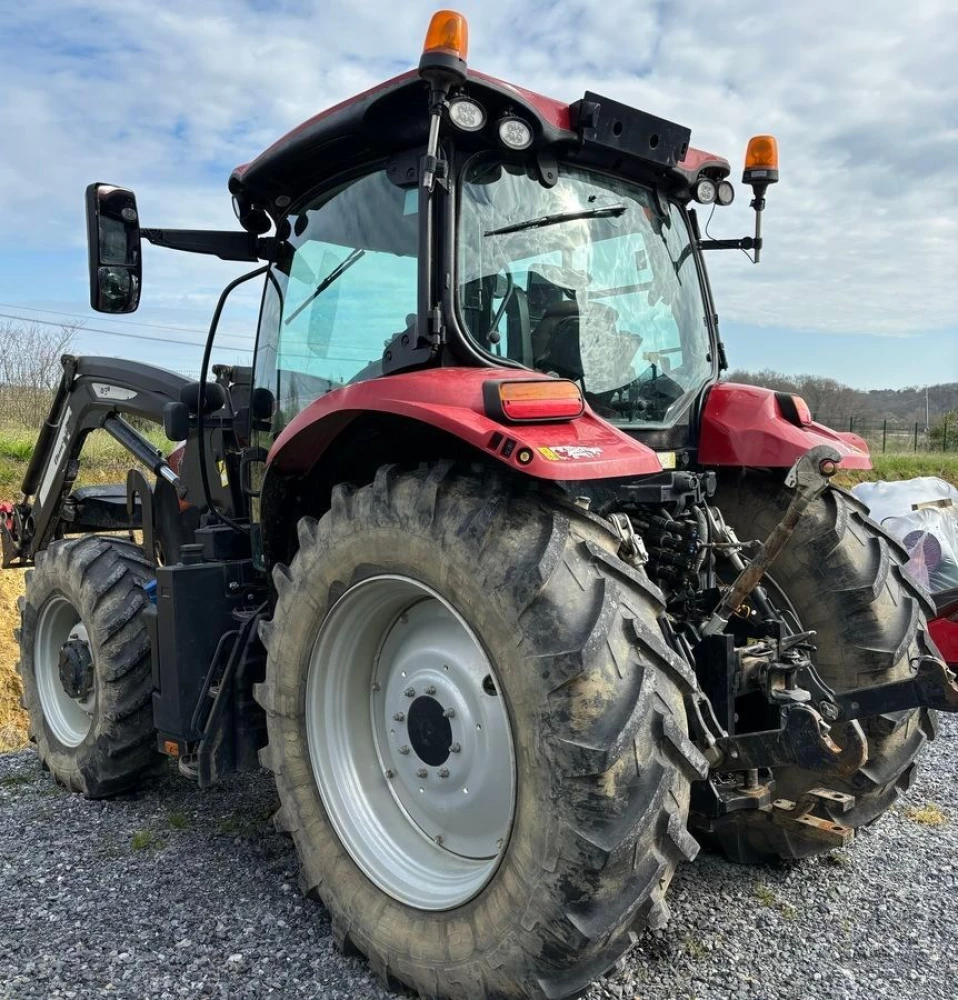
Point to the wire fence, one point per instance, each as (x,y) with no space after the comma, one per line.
(898,436)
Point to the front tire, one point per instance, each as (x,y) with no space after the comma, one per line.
(591,761)
(85,664)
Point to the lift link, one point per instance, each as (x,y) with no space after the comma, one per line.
(810,477)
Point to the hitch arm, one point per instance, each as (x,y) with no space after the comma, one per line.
(802,740)
(810,477)
(932,685)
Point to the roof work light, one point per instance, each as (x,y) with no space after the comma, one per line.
(761,169)
(761,160)
(445,49)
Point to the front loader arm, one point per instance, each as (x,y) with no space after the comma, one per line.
(94,393)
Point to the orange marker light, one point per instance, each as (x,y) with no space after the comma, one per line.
(761,160)
(449,34)
(533,401)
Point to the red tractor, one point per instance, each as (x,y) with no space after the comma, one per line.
(518,601)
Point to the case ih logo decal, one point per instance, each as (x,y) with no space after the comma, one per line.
(567,452)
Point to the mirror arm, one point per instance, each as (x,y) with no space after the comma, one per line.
(746,243)
(223,244)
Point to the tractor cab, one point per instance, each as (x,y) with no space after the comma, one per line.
(446,218)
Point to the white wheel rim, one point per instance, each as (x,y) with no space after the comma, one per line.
(69,719)
(395,675)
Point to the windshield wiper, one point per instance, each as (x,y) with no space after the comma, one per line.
(605,212)
(337,271)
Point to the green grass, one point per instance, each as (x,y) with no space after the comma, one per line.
(145,840)
(15,781)
(905,466)
(102,460)
(178,820)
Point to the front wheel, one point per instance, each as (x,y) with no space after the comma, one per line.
(478,735)
(85,664)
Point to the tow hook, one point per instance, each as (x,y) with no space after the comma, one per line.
(802,740)
(809,477)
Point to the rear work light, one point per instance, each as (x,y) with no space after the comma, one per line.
(794,409)
(533,401)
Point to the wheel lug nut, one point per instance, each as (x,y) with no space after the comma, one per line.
(410,692)
(404,750)
(431,689)
(455,748)
(399,716)
(389,772)
(422,773)
(375,685)
(444,772)
(450,713)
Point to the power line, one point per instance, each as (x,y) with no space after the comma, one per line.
(83,319)
(128,336)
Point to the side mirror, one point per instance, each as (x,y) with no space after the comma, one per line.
(113,240)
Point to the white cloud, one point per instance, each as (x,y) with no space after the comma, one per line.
(862,231)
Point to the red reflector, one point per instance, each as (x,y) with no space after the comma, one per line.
(533,401)
(804,413)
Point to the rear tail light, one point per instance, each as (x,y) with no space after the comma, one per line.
(533,401)
(794,409)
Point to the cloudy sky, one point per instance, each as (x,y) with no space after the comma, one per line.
(859,278)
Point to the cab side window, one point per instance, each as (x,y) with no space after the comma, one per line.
(345,285)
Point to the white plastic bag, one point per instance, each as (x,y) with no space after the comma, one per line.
(885,499)
(930,535)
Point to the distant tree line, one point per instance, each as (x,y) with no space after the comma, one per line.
(30,370)
(829,398)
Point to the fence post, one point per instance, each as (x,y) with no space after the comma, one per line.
(851,423)
(884,434)
(944,434)
(916,435)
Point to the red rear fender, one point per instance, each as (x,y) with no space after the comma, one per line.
(450,399)
(743,426)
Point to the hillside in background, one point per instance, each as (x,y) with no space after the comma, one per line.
(828,398)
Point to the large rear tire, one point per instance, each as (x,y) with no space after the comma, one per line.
(85,664)
(526,604)
(844,578)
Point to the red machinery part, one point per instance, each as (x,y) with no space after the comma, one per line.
(742,425)
(451,399)
(944,633)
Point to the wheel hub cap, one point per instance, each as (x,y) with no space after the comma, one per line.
(76,668)
(410,742)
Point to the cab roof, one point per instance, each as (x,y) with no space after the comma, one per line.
(392,117)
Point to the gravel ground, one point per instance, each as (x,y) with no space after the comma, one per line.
(181,893)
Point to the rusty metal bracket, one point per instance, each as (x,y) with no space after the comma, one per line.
(803,739)
(826,830)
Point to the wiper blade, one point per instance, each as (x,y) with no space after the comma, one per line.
(337,271)
(605,212)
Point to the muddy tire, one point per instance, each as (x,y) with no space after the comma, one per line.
(844,578)
(600,763)
(85,664)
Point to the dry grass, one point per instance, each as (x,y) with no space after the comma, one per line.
(13,720)
(928,815)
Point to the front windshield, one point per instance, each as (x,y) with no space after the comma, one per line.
(590,280)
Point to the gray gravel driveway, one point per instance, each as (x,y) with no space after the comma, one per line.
(177,893)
